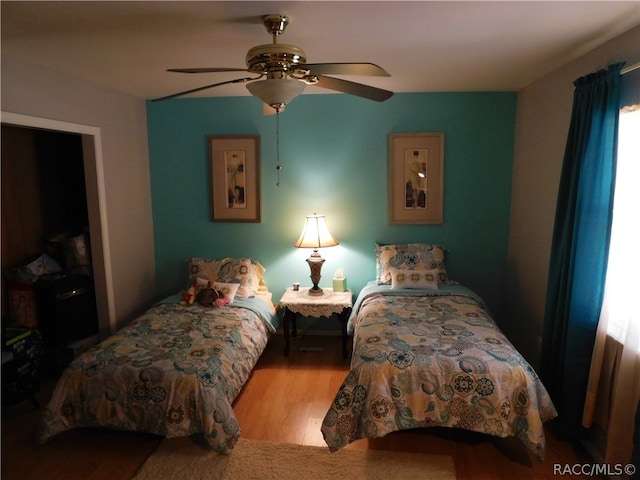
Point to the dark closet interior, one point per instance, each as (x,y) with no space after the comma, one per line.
(47,282)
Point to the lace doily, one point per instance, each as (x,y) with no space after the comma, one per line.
(324,305)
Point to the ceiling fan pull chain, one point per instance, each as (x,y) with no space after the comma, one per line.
(278,166)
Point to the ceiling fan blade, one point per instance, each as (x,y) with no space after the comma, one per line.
(237,80)
(370,69)
(353,88)
(206,70)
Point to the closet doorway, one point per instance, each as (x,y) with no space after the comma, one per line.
(87,141)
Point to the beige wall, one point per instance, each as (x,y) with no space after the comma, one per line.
(119,123)
(542,124)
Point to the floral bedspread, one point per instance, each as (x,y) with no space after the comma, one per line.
(436,358)
(174,372)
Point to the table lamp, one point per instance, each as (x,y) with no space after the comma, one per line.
(315,234)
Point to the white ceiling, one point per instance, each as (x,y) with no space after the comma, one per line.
(425,46)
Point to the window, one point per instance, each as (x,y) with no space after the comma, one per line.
(624,252)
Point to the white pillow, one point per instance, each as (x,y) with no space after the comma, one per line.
(229,289)
(406,278)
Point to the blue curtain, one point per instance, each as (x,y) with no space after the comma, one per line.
(580,245)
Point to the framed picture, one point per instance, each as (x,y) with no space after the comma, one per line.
(416,172)
(235,178)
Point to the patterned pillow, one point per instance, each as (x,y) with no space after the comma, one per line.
(405,278)
(410,256)
(200,284)
(246,272)
(203,269)
(228,289)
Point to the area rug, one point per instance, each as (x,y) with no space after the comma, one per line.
(181,458)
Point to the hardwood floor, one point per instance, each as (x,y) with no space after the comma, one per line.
(285,400)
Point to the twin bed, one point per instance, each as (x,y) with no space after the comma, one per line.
(175,370)
(426,353)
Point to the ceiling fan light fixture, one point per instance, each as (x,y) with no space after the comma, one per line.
(287,72)
(276,92)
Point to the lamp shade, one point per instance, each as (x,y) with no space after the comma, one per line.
(276,92)
(315,234)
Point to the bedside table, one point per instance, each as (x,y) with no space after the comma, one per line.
(325,305)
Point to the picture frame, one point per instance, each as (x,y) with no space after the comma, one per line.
(235,178)
(416,178)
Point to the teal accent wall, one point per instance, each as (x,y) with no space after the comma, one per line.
(333,150)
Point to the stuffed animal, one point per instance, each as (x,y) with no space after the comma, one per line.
(189,296)
(210,297)
(205,295)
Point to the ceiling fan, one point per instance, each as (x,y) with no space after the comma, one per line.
(283,72)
